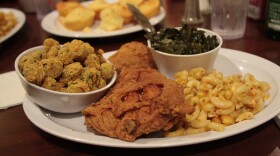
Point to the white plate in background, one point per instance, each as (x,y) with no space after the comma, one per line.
(277,120)
(71,126)
(51,24)
(21,20)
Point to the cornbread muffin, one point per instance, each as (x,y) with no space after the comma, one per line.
(150,8)
(78,19)
(98,5)
(136,3)
(123,11)
(64,8)
(110,20)
(112,15)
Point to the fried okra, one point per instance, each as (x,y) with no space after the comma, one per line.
(71,72)
(34,72)
(31,58)
(53,67)
(77,86)
(65,55)
(92,60)
(49,83)
(73,67)
(31,67)
(80,50)
(91,76)
(51,48)
(107,70)
(49,43)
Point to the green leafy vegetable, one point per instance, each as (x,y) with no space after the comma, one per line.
(184,41)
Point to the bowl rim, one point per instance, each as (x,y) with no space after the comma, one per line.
(192,55)
(27,51)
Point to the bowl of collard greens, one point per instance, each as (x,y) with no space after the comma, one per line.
(183,48)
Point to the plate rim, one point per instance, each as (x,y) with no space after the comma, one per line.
(79,34)
(78,136)
(21,21)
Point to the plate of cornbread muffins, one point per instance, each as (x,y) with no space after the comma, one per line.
(99,18)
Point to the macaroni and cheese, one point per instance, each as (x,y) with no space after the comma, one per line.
(219,101)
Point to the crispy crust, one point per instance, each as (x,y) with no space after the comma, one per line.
(143,101)
(133,54)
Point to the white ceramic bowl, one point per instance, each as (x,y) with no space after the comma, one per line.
(59,101)
(169,64)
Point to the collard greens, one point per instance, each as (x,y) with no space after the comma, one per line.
(184,41)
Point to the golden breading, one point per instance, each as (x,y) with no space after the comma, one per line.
(107,70)
(53,67)
(71,72)
(33,72)
(92,60)
(78,19)
(29,59)
(49,83)
(77,86)
(72,67)
(64,8)
(132,54)
(91,76)
(144,101)
(51,48)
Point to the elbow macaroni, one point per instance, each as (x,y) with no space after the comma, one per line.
(219,101)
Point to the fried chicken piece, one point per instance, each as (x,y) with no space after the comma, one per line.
(143,101)
(131,54)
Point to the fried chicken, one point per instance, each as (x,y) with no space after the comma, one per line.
(143,101)
(131,54)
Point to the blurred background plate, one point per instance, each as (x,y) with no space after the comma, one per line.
(51,24)
(21,20)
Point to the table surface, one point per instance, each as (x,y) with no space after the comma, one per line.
(18,136)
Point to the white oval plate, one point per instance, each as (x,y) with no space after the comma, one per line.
(21,20)
(71,126)
(51,24)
